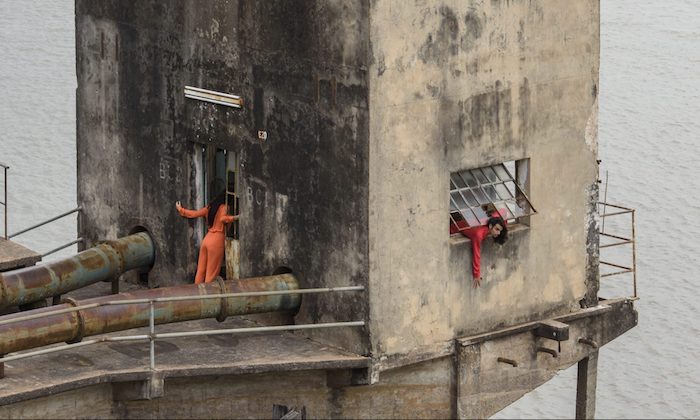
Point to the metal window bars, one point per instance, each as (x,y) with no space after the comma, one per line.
(152,336)
(232,202)
(619,240)
(494,186)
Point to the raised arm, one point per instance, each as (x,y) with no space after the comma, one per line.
(476,235)
(476,262)
(191,214)
(229,219)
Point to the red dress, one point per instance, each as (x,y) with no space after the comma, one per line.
(477,235)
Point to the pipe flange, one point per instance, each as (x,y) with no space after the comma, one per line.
(81,322)
(118,255)
(3,291)
(223,307)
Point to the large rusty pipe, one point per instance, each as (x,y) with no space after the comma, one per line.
(105,261)
(73,326)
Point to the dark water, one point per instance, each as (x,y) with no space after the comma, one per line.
(649,113)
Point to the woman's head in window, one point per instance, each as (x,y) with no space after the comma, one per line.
(498,229)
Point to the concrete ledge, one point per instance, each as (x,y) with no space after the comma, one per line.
(514,229)
(388,362)
(14,255)
(128,362)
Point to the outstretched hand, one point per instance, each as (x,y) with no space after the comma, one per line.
(178,206)
(477,282)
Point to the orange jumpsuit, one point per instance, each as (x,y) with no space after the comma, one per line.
(211,254)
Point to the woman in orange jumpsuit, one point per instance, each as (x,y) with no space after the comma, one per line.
(211,253)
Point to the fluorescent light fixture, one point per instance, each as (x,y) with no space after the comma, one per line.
(213,97)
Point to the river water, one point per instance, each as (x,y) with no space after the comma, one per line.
(649,122)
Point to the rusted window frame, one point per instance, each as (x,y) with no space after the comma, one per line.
(486,189)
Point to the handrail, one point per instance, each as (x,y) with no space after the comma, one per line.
(152,336)
(616,206)
(179,298)
(77,209)
(62,247)
(625,241)
(144,337)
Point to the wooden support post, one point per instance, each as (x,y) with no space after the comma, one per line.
(586,386)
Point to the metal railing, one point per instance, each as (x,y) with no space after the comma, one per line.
(620,241)
(4,201)
(77,209)
(152,336)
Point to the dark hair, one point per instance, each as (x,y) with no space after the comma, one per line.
(214,205)
(503,237)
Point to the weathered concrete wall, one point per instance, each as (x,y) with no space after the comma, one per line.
(90,402)
(465,84)
(369,106)
(419,392)
(300,67)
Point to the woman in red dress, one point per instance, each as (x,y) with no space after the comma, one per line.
(495,227)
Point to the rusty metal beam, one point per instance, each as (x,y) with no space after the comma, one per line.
(106,261)
(72,327)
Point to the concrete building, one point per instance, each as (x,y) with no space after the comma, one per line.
(358,120)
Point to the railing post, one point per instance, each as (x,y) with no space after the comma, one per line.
(5,201)
(152,337)
(634,256)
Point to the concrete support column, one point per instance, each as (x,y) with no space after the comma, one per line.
(586,385)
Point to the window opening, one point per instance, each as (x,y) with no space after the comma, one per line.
(219,172)
(475,193)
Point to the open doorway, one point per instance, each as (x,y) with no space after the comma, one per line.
(218,170)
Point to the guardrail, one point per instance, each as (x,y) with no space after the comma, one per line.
(152,336)
(621,240)
(77,209)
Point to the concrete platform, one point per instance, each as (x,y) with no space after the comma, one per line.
(180,357)
(229,354)
(14,255)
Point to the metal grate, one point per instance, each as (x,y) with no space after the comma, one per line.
(473,191)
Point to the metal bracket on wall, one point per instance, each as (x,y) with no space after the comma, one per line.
(554,330)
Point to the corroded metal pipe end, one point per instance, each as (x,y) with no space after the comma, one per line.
(105,261)
(133,251)
(243,306)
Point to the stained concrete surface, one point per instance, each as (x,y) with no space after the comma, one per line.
(14,255)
